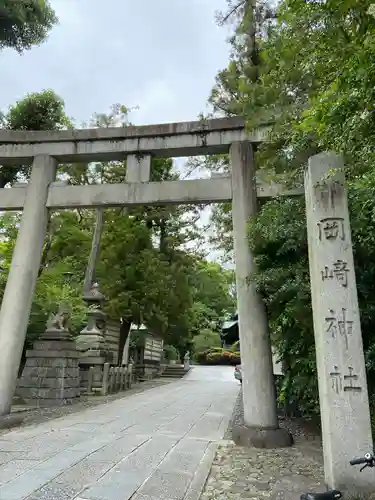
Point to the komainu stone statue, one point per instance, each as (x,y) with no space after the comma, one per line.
(51,375)
(58,324)
(59,321)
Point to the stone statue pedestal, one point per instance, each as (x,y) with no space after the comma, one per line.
(51,373)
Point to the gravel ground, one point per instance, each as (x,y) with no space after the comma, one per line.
(38,415)
(281,474)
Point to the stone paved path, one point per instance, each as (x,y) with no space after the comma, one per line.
(156,445)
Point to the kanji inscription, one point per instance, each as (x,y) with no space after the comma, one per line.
(331,228)
(336,381)
(339,325)
(348,382)
(327,193)
(339,270)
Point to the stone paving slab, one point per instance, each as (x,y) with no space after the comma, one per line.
(27,415)
(150,445)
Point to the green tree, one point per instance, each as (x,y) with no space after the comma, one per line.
(206,339)
(147,269)
(60,280)
(25,23)
(213,295)
(312,82)
(37,111)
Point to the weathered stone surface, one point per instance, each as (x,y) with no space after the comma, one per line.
(256,355)
(15,468)
(50,403)
(110,451)
(46,393)
(92,360)
(12,420)
(23,273)
(339,351)
(50,372)
(51,383)
(55,353)
(261,438)
(84,344)
(51,363)
(45,345)
(67,485)
(91,344)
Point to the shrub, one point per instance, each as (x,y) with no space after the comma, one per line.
(218,357)
(236,346)
(206,339)
(170,353)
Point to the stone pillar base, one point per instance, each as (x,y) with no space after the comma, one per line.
(12,420)
(261,438)
(51,374)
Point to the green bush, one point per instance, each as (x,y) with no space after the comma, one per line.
(218,357)
(236,346)
(171,353)
(206,339)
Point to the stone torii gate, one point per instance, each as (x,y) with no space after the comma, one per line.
(44,150)
(341,369)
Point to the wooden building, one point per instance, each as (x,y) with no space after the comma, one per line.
(146,349)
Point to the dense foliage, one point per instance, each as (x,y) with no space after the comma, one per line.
(25,23)
(218,356)
(37,111)
(306,70)
(206,339)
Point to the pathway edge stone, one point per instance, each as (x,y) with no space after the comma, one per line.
(200,477)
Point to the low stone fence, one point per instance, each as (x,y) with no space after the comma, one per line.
(110,380)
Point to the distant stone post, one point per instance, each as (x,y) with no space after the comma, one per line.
(187,361)
(130,373)
(105,382)
(342,382)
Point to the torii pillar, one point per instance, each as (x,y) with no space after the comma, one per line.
(260,426)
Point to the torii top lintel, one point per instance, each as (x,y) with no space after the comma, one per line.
(201,137)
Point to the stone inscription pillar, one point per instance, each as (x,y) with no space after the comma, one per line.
(259,397)
(19,290)
(339,351)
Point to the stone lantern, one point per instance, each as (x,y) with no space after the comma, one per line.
(91,342)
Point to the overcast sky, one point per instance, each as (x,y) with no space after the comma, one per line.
(160,55)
